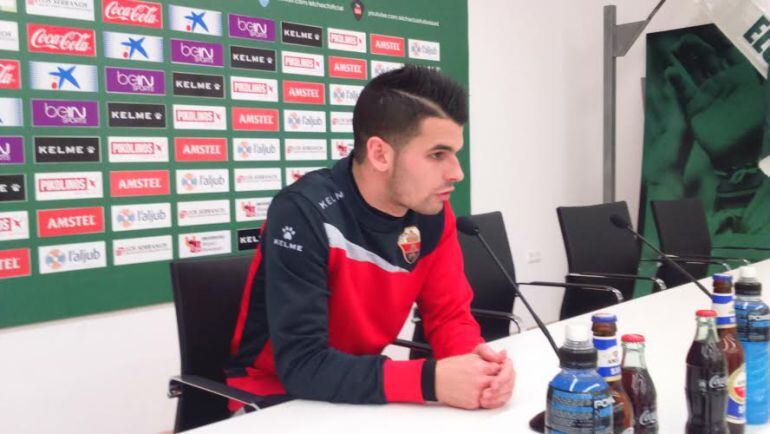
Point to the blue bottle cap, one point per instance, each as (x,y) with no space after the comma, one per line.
(604,317)
(723,278)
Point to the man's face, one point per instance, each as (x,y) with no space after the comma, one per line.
(426,167)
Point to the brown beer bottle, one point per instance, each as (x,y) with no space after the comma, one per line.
(723,304)
(722,299)
(605,331)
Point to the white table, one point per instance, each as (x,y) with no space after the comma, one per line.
(666,319)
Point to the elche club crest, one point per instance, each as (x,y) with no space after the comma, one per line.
(409,243)
(358,9)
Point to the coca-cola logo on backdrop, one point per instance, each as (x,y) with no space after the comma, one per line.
(132,12)
(61,40)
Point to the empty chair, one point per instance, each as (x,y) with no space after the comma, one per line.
(598,253)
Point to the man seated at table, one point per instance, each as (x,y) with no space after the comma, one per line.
(346,251)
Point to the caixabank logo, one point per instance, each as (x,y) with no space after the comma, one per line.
(72,257)
(141,217)
(67,77)
(11,112)
(194,20)
(202,181)
(133,13)
(134,47)
(69,41)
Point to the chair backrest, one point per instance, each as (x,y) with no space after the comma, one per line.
(593,243)
(683,231)
(207,295)
(491,290)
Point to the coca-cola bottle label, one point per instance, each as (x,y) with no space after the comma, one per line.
(736,396)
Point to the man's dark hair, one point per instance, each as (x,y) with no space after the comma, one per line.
(393,104)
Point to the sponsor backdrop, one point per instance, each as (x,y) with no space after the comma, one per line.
(704,124)
(134,132)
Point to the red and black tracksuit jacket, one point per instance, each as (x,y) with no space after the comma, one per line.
(330,287)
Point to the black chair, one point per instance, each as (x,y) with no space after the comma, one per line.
(493,297)
(207,295)
(683,233)
(598,252)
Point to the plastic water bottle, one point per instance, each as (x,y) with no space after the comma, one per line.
(753,318)
(579,399)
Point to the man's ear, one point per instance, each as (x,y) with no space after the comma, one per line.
(380,154)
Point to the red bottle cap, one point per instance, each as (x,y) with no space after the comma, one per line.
(637,339)
(706,313)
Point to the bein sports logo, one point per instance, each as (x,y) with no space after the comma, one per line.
(201,55)
(138,82)
(70,115)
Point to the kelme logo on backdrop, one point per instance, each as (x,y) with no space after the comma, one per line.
(67,150)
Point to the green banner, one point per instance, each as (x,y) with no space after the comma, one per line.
(705,119)
(133,132)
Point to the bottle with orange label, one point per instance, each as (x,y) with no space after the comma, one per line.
(723,304)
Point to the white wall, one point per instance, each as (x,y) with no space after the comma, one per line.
(536,92)
(536,119)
